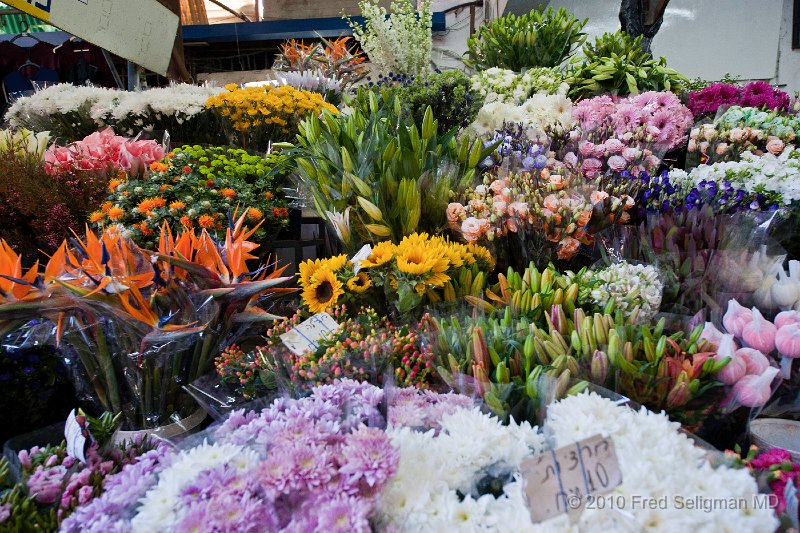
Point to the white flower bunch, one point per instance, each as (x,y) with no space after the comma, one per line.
(309,80)
(433,467)
(507,86)
(754,173)
(541,115)
(632,286)
(400,42)
(157,511)
(656,461)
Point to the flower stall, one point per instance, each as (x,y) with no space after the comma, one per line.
(562,293)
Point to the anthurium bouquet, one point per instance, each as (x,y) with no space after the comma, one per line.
(377,176)
(254,117)
(197,188)
(143,323)
(401,276)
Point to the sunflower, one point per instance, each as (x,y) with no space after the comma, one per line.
(482,255)
(307,270)
(335,263)
(418,256)
(323,292)
(359,283)
(381,254)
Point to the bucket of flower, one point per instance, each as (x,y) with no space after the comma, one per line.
(145,323)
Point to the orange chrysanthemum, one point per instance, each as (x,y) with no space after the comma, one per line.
(280,212)
(115,213)
(159,202)
(145,206)
(255,213)
(227,193)
(206,221)
(96,217)
(186,222)
(175,206)
(106,206)
(269,195)
(113,184)
(145,229)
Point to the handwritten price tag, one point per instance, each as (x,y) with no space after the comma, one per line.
(76,437)
(306,335)
(560,481)
(362,254)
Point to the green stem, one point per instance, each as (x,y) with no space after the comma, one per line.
(107,367)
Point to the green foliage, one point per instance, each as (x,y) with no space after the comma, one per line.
(542,38)
(448,94)
(616,64)
(377,175)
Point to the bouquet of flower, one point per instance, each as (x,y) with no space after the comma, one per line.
(179,109)
(254,117)
(758,94)
(197,187)
(143,323)
(65,110)
(502,85)
(364,348)
(420,268)
(542,117)
(484,489)
(25,144)
(331,61)
(308,464)
(740,130)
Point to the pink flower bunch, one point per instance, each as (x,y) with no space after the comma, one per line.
(781,469)
(758,94)
(103,152)
(611,156)
(652,118)
(750,342)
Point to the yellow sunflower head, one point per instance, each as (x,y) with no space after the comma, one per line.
(323,292)
(307,270)
(359,283)
(335,263)
(381,254)
(425,258)
(482,255)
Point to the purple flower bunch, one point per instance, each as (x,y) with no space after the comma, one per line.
(758,94)
(658,119)
(423,409)
(515,151)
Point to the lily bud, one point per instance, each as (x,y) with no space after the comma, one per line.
(679,395)
(599,367)
(558,319)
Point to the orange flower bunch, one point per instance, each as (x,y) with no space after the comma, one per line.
(333,59)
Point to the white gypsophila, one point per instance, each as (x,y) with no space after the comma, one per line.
(422,495)
(632,286)
(656,461)
(159,509)
(753,173)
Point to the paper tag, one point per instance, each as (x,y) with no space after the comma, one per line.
(362,254)
(305,336)
(76,437)
(557,482)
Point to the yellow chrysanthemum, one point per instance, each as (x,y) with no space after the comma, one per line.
(381,254)
(360,283)
(323,292)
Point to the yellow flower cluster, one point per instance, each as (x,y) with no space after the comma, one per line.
(419,261)
(251,107)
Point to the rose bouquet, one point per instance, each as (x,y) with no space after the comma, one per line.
(758,94)
(255,117)
(197,187)
(740,130)
(419,269)
(364,348)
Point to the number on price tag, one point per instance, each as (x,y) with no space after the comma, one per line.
(362,254)
(306,336)
(560,481)
(76,436)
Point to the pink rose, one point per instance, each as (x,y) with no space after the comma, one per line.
(574,136)
(551,202)
(591,167)
(599,150)
(736,134)
(136,157)
(455,212)
(704,146)
(586,148)
(84,495)
(472,229)
(652,161)
(499,206)
(692,145)
(693,135)
(518,209)
(614,146)
(480,189)
(721,148)
(710,134)
(775,146)
(497,186)
(630,154)
(617,163)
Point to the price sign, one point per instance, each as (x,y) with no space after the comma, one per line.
(362,254)
(306,336)
(76,436)
(559,481)
(142,31)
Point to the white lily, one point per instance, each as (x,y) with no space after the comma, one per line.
(341,223)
